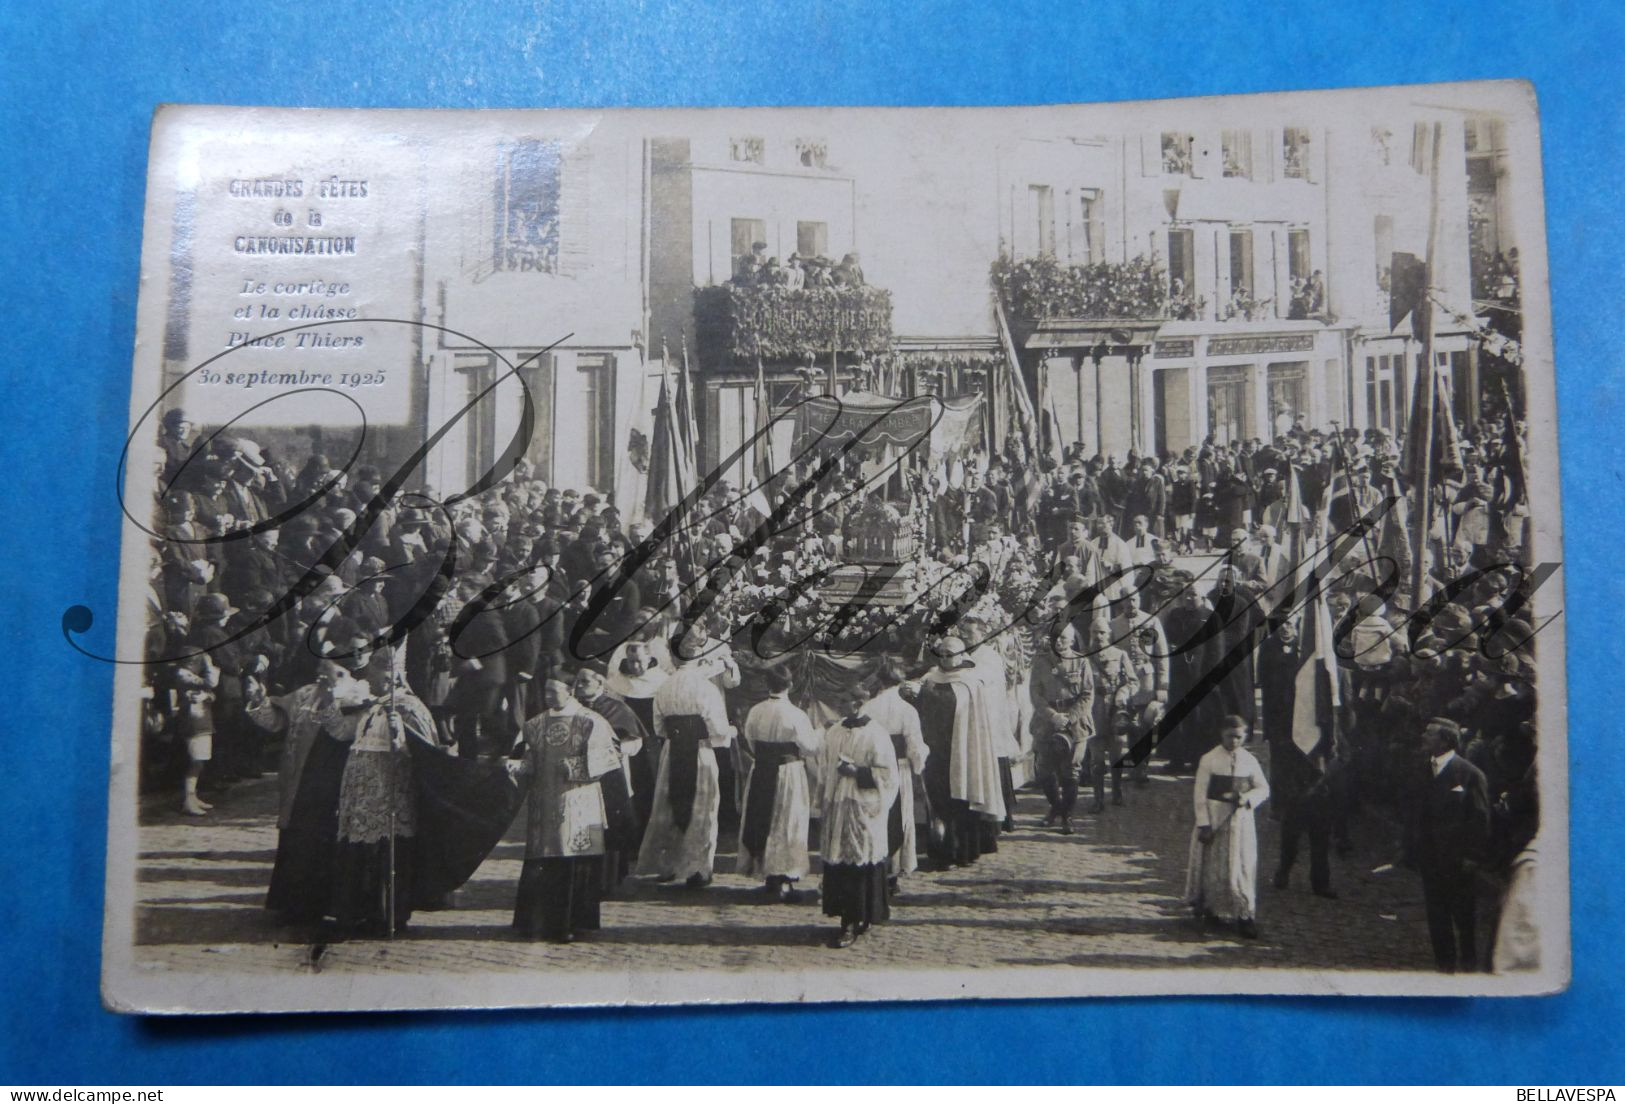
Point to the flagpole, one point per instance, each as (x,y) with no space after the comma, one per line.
(1424,483)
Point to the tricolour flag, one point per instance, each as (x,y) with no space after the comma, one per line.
(1315,690)
(1019,406)
(766,464)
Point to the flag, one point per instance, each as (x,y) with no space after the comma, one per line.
(1314,702)
(1514,466)
(632,466)
(766,463)
(1440,435)
(1315,690)
(1407,293)
(665,487)
(1019,411)
(1337,500)
(685,449)
(1294,514)
(1050,436)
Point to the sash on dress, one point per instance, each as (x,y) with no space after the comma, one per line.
(894,819)
(759,799)
(685,735)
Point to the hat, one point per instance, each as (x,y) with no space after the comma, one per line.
(173,418)
(1447,724)
(250,452)
(212,605)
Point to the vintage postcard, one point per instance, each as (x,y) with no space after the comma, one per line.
(637,557)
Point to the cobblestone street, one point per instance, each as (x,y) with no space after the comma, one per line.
(1108,896)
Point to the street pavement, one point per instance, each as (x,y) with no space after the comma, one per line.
(1108,896)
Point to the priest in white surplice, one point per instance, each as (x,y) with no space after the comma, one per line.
(1221,882)
(692,719)
(860,785)
(901,720)
(779,742)
(962,706)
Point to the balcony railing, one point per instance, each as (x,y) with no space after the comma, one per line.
(739,324)
(1041,288)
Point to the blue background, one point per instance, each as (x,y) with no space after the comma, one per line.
(77,88)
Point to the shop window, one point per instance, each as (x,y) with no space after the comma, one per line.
(1288,396)
(1227,404)
(595,375)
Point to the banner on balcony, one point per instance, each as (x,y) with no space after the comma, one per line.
(779,324)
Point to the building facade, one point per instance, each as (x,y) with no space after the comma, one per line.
(543,278)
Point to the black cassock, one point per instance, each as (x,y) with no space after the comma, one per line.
(1193,651)
(464,807)
(958,834)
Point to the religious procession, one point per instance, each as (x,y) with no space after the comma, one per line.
(864,609)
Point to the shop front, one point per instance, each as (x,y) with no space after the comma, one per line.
(1384,371)
(1241,381)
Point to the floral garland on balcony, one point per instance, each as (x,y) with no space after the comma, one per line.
(738,324)
(1042,288)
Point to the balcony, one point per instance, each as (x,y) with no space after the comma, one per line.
(1041,289)
(737,324)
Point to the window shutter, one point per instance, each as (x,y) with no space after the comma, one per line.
(575,212)
(1151,154)
(1097,240)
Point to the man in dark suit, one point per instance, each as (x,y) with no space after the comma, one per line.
(1449,838)
(252,564)
(479,660)
(1146,496)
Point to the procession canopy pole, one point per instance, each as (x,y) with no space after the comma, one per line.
(1422,321)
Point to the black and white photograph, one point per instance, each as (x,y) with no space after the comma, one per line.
(767,555)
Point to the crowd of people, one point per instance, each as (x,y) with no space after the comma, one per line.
(411,671)
(757,269)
